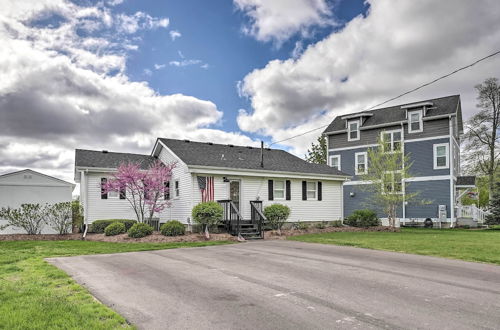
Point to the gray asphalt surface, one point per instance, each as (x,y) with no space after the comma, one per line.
(290,285)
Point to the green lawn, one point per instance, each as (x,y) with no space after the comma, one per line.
(470,245)
(36,295)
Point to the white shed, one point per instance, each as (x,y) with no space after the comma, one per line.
(28,186)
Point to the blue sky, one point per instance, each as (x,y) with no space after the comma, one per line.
(108,74)
(212,33)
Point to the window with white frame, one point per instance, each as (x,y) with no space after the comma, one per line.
(360,163)
(392,183)
(176,188)
(335,162)
(391,140)
(353,130)
(279,189)
(415,122)
(312,190)
(441,156)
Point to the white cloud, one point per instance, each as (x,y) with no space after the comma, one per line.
(60,91)
(175,34)
(278,20)
(159,66)
(184,63)
(140,20)
(398,46)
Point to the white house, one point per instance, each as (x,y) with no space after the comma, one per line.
(28,186)
(240,174)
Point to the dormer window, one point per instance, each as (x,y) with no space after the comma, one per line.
(353,130)
(415,122)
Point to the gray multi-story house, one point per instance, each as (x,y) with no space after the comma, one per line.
(429,132)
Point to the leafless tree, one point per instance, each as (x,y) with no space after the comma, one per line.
(482,137)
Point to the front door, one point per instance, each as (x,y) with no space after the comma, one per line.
(234,193)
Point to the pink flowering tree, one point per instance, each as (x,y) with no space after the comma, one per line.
(145,190)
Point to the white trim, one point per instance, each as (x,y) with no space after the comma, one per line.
(264,173)
(349,122)
(420,122)
(365,154)
(354,147)
(413,179)
(452,174)
(427,138)
(340,161)
(274,190)
(315,198)
(428,178)
(447,155)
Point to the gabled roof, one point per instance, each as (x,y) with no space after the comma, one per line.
(30,171)
(441,106)
(111,160)
(242,157)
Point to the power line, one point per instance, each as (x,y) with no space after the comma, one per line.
(400,95)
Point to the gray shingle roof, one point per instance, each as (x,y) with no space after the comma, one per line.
(241,157)
(101,159)
(466,181)
(443,106)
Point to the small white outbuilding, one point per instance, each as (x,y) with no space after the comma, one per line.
(28,186)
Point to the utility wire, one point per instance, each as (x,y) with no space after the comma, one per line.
(400,95)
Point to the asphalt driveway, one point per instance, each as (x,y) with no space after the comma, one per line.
(290,285)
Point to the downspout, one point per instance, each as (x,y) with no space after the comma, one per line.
(452,165)
(402,168)
(85,209)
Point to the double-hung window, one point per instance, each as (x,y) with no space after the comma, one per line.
(335,162)
(441,156)
(353,130)
(392,141)
(415,123)
(176,188)
(392,183)
(312,190)
(279,189)
(360,163)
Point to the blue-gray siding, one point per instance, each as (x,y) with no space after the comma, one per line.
(421,154)
(435,192)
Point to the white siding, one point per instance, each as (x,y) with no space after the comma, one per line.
(29,187)
(99,209)
(328,209)
(180,206)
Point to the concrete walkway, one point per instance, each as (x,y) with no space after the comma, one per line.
(290,285)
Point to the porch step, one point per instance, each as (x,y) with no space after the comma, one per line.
(251,235)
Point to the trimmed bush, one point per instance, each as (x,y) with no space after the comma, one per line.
(98,226)
(139,230)
(276,215)
(362,218)
(115,228)
(207,214)
(172,228)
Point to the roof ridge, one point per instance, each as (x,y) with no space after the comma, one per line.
(113,152)
(217,144)
(401,104)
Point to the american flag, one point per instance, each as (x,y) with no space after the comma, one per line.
(206,184)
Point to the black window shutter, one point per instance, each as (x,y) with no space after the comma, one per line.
(123,193)
(166,192)
(270,191)
(304,190)
(320,190)
(288,190)
(104,194)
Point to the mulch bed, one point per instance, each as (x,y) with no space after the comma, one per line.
(156,237)
(273,234)
(41,237)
